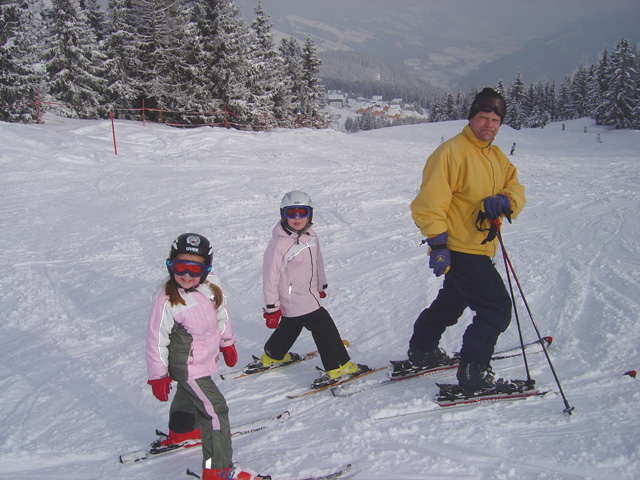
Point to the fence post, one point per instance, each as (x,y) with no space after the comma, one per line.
(143,117)
(113,130)
(38,103)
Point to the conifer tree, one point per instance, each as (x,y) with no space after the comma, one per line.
(19,80)
(266,82)
(73,64)
(223,67)
(312,91)
(122,64)
(621,96)
(515,100)
(564,99)
(95,17)
(291,57)
(579,96)
(550,101)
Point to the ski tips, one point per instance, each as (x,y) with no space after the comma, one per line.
(631,373)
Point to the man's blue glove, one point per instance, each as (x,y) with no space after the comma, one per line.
(496,206)
(439,256)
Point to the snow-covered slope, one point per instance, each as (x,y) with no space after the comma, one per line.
(85,233)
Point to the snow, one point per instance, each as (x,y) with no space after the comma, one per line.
(86,233)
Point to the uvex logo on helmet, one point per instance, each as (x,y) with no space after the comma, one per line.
(193,240)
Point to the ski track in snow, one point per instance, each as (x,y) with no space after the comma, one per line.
(86,232)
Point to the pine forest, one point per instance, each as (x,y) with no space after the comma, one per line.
(197,62)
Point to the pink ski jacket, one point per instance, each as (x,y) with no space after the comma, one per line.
(184,341)
(293,273)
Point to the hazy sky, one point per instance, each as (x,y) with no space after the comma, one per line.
(517,18)
(440,40)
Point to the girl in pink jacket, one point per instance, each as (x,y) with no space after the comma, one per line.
(188,329)
(294,283)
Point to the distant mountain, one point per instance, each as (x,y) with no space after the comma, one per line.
(362,74)
(558,55)
(456,44)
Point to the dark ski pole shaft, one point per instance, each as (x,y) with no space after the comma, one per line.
(568,409)
(515,308)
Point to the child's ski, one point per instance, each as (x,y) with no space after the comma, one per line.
(248,370)
(336,474)
(156,448)
(344,379)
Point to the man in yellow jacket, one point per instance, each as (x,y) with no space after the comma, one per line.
(464,177)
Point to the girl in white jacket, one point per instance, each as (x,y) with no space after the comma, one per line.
(294,283)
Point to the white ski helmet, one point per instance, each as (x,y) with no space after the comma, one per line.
(296,198)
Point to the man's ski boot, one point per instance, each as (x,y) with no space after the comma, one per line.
(266,362)
(349,369)
(419,361)
(473,377)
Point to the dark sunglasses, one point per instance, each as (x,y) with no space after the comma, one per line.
(492,104)
(300,212)
(185,267)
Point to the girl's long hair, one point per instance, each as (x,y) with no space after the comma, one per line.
(171,290)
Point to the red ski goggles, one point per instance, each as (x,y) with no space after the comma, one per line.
(185,267)
(298,211)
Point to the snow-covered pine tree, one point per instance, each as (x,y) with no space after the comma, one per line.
(224,42)
(96,18)
(166,56)
(564,100)
(265,82)
(291,57)
(621,97)
(312,90)
(74,75)
(550,101)
(121,64)
(436,112)
(19,79)
(462,106)
(537,115)
(579,95)
(514,97)
(451,108)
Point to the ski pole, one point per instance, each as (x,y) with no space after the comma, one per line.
(568,409)
(497,224)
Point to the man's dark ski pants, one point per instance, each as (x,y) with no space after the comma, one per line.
(473,282)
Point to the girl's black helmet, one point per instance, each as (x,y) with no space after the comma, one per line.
(194,244)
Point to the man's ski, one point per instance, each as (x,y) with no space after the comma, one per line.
(344,379)
(252,370)
(335,474)
(348,390)
(156,448)
(451,396)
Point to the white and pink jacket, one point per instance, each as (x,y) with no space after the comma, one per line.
(184,341)
(293,273)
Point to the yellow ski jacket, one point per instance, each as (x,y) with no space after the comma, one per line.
(458,175)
